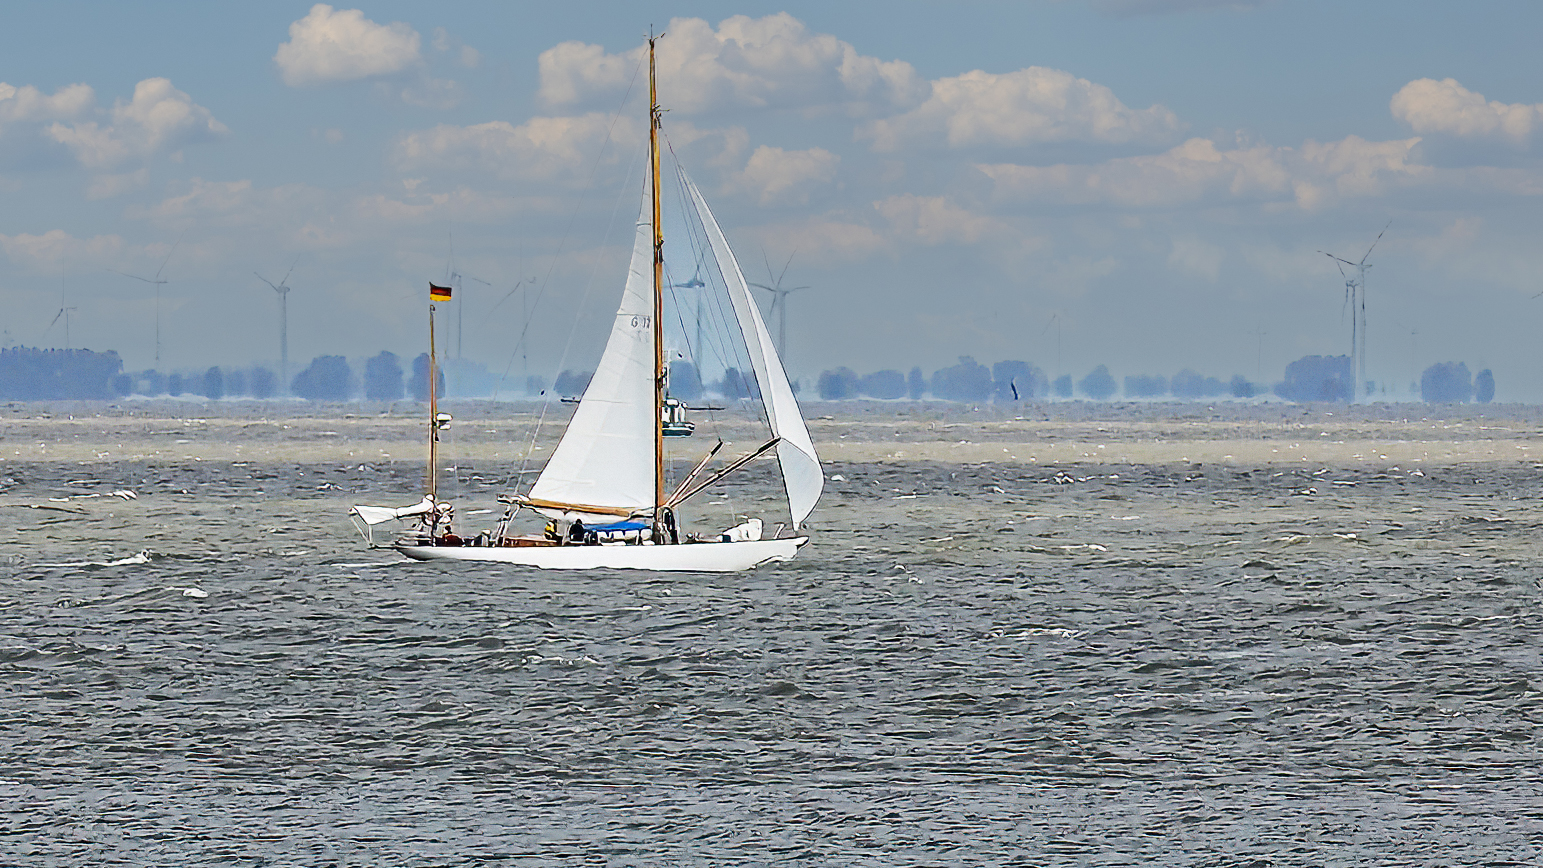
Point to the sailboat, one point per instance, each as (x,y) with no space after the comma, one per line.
(603,493)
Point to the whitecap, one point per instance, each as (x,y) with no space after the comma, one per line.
(141,558)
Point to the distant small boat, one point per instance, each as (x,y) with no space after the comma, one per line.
(604,492)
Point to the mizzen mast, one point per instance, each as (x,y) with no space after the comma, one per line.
(437,422)
(433,409)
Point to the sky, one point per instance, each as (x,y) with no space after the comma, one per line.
(1146,184)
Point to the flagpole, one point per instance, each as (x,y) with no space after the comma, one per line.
(433,419)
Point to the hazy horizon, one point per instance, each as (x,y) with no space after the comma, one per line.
(1145,184)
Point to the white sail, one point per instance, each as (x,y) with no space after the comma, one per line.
(606,457)
(795,451)
(604,466)
(373,515)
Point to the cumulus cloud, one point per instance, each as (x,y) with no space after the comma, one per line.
(1196,256)
(27,103)
(159,117)
(204,199)
(108,186)
(823,241)
(462,204)
(465,55)
(294,214)
(1198,171)
(1353,168)
(745,62)
(713,147)
(47,252)
(1430,106)
(541,148)
(934,220)
(342,45)
(287,216)
(434,93)
(1030,106)
(773,174)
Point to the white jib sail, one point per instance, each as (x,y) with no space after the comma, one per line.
(795,451)
(606,457)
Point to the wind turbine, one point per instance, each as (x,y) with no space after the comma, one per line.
(508,295)
(1352,287)
(159,282)
(282,288)
(698,352)
(520,343)
(1055,320)
(64,311)
(780,303)
(460,305)
(1259,333)
(1358,315)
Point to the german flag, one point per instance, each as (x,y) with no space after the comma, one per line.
(438,293)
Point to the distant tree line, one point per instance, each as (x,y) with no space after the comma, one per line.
(1318,378)
(213,383)
(28,374)
(1311,378)
(1450,383)
(1014,380)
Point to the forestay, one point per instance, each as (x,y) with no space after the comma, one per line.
(606,457)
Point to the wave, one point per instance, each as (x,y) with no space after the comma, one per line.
(142,558)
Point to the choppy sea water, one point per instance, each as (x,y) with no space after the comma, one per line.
(969,665)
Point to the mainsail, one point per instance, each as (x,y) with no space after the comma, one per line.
(795,451)
(606,457)
(604,464)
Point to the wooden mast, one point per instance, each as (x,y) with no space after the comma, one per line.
(433,418)
(658,306)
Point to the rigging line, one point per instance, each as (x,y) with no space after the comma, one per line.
(545,281)
(715,339)
(562,359)
(594,169)
(727,349)
(737,339)
(552,266)
(679,307)
(731,349)
(694,237)
(732,337)
(699,259)
(670,281)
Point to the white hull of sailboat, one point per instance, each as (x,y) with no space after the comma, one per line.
(714,557)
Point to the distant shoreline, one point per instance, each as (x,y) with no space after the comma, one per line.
(1051,434)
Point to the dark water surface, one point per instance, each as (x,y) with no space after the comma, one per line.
(970,665)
